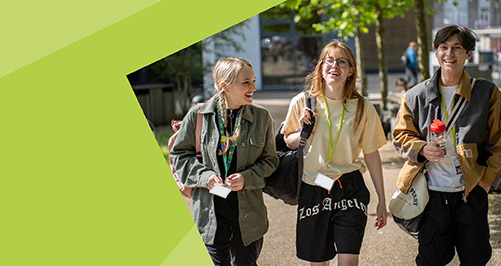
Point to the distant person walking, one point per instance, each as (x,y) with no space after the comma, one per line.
(411,67)
(401,85)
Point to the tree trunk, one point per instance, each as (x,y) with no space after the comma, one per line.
(383,81)
(186,98)
(423,44)
(179,90)
(360,61)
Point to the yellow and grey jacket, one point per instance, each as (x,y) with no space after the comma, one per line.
(256,160)
(478,129)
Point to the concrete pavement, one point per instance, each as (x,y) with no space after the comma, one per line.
(388,246)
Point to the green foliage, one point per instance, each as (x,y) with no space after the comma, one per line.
(163,141)
(342,16)
(430,11)
(182,67)
(186,66)
(183,62)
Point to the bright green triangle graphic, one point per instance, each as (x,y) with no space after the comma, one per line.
(33,30)
(186,253)
(83,181)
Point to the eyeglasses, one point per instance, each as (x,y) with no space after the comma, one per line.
(341,62)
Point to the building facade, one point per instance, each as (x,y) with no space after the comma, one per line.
(284,52)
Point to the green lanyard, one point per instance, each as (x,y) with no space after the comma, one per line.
(333,145)
(226,157)
(453,130)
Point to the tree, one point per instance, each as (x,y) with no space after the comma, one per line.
(422,38)
(424,46)
(181,67)
(186,66)
(350,19)
(386,9)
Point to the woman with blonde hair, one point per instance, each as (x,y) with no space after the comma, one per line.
(238,153)
(332,209)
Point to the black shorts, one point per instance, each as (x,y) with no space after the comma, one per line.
(453,224)
(331,223)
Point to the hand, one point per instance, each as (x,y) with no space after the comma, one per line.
(484,185)
(305,117)
(381,216)
(213,179)
(431,152)
(235,182)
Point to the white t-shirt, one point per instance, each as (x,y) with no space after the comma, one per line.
(368,137)
(445,175)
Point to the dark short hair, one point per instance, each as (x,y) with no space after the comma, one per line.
(401,81)
(466,37)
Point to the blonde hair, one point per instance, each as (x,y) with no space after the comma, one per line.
(226,70)
(315,83)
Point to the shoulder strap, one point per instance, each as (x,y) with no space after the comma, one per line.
(199,131)
(311,102)
(457,109)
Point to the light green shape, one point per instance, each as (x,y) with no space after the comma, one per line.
(34,29)
(186,253)
(82,179)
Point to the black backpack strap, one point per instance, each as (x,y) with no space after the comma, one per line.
(311,102)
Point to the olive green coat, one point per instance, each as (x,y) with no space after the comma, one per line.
(256,160)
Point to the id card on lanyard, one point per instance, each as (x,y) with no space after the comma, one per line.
(321,179)
(454,160)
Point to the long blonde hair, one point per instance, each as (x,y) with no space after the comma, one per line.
(315,83)
(226,70)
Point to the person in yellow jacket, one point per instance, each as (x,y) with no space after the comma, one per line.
(459,179)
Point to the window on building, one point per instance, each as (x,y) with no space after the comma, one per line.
(288,50)
(456,13)
(484,11)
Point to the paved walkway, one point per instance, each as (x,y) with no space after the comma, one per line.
(388,246)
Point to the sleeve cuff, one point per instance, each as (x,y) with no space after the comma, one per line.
(204,178)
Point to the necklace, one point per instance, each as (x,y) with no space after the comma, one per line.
(225,135)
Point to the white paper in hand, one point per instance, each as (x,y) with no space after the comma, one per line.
(220,190)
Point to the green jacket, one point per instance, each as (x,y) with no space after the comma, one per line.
(256,160)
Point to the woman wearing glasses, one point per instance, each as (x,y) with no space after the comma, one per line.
(332,209)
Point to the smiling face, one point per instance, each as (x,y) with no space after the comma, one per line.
(451,55)
(336,68)
(241,90)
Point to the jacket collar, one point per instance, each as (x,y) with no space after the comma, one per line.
(464,89)
(209,107)
(465,86)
